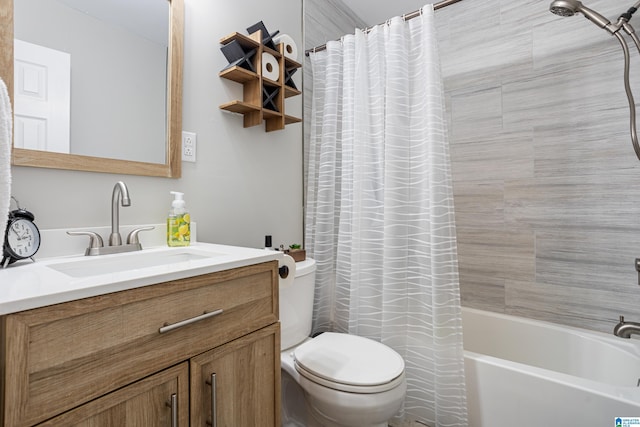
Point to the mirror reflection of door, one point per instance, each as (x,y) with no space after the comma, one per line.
(42,92)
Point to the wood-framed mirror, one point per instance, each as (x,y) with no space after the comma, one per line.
(171,167)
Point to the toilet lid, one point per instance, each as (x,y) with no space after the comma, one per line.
(349,360)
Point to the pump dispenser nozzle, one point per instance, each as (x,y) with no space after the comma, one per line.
(178,201)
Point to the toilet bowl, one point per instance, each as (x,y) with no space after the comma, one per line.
(334,379)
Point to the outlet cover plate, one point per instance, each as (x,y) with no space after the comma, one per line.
(188,146)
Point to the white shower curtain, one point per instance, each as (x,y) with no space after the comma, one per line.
(379,208)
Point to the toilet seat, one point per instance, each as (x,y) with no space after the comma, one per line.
(349,363)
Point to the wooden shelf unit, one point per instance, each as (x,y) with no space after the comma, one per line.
(251,107)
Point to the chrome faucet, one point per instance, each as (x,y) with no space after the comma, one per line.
(120,196)
(120,193)
(626,329)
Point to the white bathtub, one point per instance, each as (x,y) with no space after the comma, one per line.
(527,373)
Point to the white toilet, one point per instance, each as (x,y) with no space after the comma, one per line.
(332,380)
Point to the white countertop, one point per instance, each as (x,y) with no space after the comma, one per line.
(26,285)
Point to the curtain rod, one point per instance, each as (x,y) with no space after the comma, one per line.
(406,17)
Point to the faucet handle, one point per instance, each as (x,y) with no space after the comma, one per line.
(95,241)
(132,238)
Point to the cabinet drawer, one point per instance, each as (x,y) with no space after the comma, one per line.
(61,356)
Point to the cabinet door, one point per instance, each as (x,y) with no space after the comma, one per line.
(160,400)
(239,382)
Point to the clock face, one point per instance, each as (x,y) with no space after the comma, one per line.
(23,238)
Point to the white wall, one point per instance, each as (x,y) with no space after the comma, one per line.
(246,182)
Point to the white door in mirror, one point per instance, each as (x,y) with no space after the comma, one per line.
(42,98)
(188,147)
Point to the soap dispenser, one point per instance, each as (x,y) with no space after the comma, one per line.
(178,222)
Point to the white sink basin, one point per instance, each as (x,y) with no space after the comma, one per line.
(107,264)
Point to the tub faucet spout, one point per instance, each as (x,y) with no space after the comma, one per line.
(120,195)
(626,329)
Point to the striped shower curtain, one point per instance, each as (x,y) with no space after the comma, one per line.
(379,208)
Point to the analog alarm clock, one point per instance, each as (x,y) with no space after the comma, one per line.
(21,238)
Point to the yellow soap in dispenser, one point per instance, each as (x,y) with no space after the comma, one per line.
(178,222)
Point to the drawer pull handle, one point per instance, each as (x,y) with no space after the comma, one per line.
(171,327)
(173,404)
(214,415)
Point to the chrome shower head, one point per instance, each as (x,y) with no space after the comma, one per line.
(564,7)
(571,7)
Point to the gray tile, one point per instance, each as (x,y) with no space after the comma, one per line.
(478,111)
(603,260)
(592,202)
(479,204)
(483,293)
(566,150)
(497,254)
(481,155)
(594,309)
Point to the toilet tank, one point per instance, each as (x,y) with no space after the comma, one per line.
(296,305)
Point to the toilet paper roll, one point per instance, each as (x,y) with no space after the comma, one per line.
(286,271)
(290,48)
(270,67)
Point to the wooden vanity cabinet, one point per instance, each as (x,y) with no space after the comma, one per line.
(103,360)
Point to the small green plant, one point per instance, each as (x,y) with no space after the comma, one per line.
(294,246)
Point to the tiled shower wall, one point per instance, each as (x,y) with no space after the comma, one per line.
(546,183)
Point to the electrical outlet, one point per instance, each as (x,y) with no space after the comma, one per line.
(188,147)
